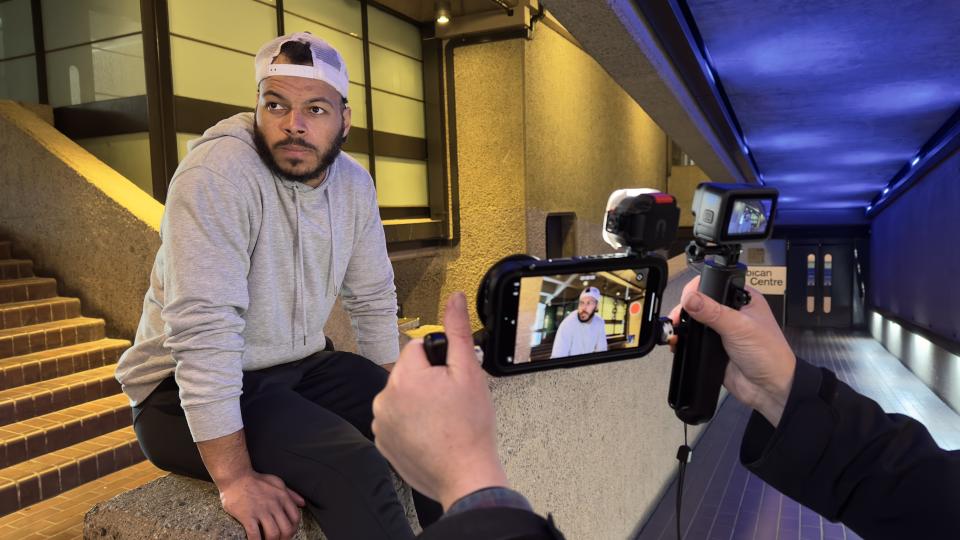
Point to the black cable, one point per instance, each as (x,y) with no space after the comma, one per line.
(683,457)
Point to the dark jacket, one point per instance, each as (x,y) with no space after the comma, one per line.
(492,524)
(836,452)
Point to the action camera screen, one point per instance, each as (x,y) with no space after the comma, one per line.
(575,314)
(749,217)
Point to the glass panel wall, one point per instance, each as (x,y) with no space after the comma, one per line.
(94,50)
(214,61)
(18,62)
(396,73)
(94,53)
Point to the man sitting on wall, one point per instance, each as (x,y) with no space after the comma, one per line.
(582,331)
(267,222)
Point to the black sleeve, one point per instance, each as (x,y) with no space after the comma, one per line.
(836,452)
(492,524)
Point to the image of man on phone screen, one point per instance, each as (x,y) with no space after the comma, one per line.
(582,331)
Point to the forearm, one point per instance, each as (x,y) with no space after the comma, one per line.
(838,453)
(226,458)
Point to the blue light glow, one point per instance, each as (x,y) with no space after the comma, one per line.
(886,190)
(900,97)
(914,161)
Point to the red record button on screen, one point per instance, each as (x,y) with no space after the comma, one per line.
(635,308)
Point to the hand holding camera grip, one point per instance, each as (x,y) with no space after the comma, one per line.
(700,360)
(435,346)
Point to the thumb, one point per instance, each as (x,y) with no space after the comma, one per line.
(456,324)
(724,320)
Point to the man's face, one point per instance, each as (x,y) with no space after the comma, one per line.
(588,306)
(299,127)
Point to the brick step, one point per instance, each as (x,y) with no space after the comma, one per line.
(53,363)
(57,308)
(23,289)
(25,402)
(6,247)
(49,335)
(15,268)
(62,516)
(48,433)
(49,475)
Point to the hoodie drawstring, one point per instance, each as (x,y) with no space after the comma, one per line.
(332,277)
(300,278)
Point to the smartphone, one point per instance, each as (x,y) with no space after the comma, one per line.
(569,312)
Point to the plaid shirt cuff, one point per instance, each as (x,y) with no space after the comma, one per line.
(492,497)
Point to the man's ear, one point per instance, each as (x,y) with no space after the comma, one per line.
(347,115)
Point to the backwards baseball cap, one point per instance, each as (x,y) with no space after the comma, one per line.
(591,292)
(328,66)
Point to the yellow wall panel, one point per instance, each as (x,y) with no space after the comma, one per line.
(401,182)
(239,24)
(344,15)
(394,33)
(205,72)
(357,100)
(396,73)
(395,114)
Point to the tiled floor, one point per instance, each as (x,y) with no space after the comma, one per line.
(723,500)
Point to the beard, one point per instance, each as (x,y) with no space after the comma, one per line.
(324,160)
(581,315)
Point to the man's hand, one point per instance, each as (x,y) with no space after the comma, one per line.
(761,367)
(436,424)
(260,502)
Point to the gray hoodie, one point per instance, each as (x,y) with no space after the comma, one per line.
(248,269)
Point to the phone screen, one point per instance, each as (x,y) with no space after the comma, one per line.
(569,315)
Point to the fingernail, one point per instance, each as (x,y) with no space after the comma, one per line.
(460,300)
(695,303)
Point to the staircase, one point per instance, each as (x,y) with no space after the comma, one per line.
(66,440)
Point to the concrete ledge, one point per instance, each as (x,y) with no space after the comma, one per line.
(186,509)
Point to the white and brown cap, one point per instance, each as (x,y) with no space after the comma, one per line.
(328,66)
(591,292)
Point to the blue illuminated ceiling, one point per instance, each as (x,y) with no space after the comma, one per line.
(833,97)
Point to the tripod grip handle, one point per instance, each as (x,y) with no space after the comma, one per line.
(698,367)
(700,360)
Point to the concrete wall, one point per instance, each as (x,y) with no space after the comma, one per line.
(79,220)
(585,137)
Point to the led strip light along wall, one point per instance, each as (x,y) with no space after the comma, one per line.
(943,142)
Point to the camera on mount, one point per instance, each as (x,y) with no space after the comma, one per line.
(725,216)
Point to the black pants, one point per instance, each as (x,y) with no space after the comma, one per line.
(307,422)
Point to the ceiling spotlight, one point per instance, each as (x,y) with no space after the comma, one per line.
(869,207)
(443,12)
(886,190)
(915,161)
